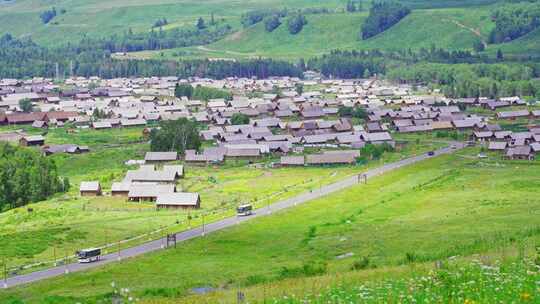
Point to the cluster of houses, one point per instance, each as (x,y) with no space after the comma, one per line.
(278,123)
(514,145)
(155,181)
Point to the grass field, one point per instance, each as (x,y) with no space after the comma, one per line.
(68,222)
(448,206)
(506,276)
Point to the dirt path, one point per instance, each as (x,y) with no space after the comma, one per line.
(205,49)
(475,32)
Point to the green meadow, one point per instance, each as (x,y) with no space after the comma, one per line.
(450,206)
(67,222)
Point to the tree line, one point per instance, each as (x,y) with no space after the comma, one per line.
(21,58)
(27,176)
(473,80)
(349,64)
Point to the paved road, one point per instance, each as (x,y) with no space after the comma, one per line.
(222,224)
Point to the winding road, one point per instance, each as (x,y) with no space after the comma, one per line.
(225,223)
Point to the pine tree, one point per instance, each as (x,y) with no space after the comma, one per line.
(200,24)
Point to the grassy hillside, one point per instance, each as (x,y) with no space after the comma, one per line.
(103,18)
(446,28)
(452,205)
(528,45)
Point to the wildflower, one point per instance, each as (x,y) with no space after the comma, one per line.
(525,296)
(467,301)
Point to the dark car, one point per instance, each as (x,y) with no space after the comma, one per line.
(431,153)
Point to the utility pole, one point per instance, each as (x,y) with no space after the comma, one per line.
(119,257)
(54,256)
(203,224)
(5,273)
(66,270)
(57,71)
(162,239)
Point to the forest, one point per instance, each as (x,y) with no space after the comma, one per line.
(22,58)
(474,80)
(27,176)
(514,20)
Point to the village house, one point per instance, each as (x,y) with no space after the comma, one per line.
(148,192)
(120,189)
(334,158)
(66,148)
(160,157)
(32,140)
(290,161)
(178,200)
(92,188)
(520,152)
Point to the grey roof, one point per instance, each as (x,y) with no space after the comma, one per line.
(178,199)
(34,138)
(89,186)
(132,122)
(120,187)
(292,160)
(149,190)
(178,169)
(483,134)
(330,158)
(243,152)
(150,176)
(101,125)
(161,156)
(379,136)
(497,145)
(511,114)
(519,151)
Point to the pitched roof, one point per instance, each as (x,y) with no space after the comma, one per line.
(89,186)
(512,114)
(497,145)
(330,158)
(178,199)
(161,156)
(292,160)
(149,190)
(519,151)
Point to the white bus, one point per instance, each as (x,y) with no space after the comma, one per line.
(244,210)
(89,255)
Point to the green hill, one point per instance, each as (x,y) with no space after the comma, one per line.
(103,18)
(455,28)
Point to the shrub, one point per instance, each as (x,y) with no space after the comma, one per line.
(271,23)
(306,270)
(361,264)
(296,23)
